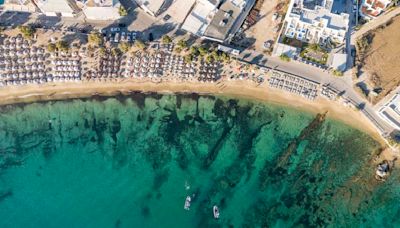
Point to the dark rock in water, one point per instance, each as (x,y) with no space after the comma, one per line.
(212,155)
(145,211)
(160,178)
(6,194)
(115,128)
(118,223)
(139,98)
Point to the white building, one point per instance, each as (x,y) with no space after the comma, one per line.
(63,8)
(313,22)
(200,17)
(217,20)
(19,5)
(152,7)
(390,112)
(101,9)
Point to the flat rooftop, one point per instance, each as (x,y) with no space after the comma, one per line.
(153,5)
(224,20)
(390,112)
(55,6)
(335,21)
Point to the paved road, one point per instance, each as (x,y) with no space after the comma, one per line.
(343,84)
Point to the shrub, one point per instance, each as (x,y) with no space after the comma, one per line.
(95,38)
(27,31)
(116,51)
(203,51)
(284,57)
(166,39)
(225,57)
(194,51)
(122,11)
(182,44)
(51,47)
(209,59)
(140,44)
(62,45)
(337,73)
(188,58)
(102,51)
(124,46)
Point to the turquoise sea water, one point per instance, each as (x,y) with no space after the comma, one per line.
(131,162)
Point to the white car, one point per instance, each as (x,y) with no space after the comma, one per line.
(116,38)
(354,8)
(116,29)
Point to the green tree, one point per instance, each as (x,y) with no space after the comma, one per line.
(225,57)
(140,44)
(203,51)
(209,59)
(166,39)
(188,58)
(62,45)
(27,31)
(122,11)
(182,44)
(337,73)
(284,57)
(102,51)
(215,55)
(95,38)
(51,47)
(124,46)
(194,51)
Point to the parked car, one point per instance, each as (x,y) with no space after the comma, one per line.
(134,34)
(116,38)
(354,8)
(123,36)
(115,29)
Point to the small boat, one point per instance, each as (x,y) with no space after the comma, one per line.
(187,203)
(216,212)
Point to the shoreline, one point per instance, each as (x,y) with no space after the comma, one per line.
(239,89)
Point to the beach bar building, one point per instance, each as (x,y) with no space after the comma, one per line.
(101,9)
(152,7)
(390,112)
(63,8)
(217,20)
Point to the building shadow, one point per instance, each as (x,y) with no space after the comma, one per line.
(157,31)
(13,19)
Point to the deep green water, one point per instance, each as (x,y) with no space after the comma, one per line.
(131,161)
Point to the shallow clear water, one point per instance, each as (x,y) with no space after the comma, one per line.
(131,162)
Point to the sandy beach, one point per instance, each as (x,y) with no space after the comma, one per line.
(243,89)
